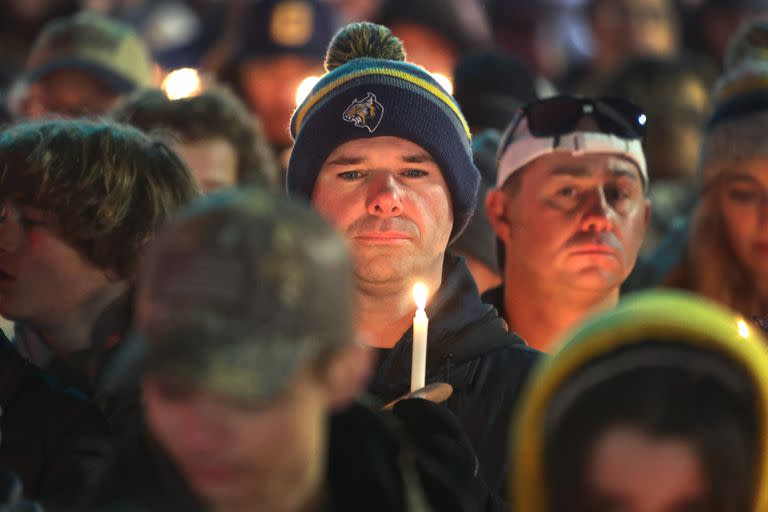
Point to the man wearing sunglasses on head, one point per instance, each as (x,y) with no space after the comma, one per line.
(570,208)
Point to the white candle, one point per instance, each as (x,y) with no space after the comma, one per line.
(420,324)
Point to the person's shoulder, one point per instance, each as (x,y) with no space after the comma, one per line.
(489,337)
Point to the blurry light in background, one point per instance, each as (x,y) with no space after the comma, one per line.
(304,88)
(444,81)
(182,83)
(743,329)
(642,119)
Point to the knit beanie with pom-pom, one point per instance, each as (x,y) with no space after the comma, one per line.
(369,91)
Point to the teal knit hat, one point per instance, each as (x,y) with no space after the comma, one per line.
(370,92)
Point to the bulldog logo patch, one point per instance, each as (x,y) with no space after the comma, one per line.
(365,113)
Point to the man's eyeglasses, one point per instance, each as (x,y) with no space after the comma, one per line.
(560,115)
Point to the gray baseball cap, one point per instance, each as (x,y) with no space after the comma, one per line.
(239,292)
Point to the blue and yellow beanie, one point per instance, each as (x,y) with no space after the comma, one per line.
(369,91)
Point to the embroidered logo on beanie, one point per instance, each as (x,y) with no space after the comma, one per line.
(365,113)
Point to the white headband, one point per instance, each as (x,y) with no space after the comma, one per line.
(527,148)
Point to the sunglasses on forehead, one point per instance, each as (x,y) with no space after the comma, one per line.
(560,115)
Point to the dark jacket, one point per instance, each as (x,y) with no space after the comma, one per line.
(470,348)
(84,371)
(377,462)
(50,436)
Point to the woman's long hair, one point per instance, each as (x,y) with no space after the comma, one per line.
(710,267)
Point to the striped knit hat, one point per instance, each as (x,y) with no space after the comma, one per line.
(370,92)
(738,126)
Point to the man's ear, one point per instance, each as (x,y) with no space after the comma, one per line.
(495,210)
(348,373)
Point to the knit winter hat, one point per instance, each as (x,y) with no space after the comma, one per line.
(738,125)
(370,92)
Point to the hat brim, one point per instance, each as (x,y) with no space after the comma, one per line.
(115,81)
(244,370)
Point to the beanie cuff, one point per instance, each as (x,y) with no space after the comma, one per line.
(738,138)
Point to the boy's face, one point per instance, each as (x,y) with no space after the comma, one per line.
(243,456)
(43,278)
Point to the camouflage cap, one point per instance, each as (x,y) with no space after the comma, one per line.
(108,49)
(241,291)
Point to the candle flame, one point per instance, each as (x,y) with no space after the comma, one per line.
(420,295)
(743,329)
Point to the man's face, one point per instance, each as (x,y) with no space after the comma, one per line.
(270,87)
(42,277)
(236,456)
(213,162)
(574,221)
(389,199)
(68,93)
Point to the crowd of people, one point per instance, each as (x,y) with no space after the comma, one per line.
(211,281)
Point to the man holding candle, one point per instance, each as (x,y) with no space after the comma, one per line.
(571,210)
(383,153)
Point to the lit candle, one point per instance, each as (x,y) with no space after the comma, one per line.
(420,324)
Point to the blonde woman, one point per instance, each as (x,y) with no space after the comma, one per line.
(726,257)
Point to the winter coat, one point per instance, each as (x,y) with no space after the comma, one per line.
(54,439)
(470,348)
(376,461)
(85,371)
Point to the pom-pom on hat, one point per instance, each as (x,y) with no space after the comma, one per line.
(369,91)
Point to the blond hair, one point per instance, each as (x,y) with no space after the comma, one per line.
(710,267)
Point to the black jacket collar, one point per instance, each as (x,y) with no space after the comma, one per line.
(456,315)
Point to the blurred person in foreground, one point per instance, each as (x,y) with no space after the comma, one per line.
(244,336)
(221,143)
(383,153)
(675,96)
(725,253)
(570,208)
(82,199)
(80,66)
(659,405)
(622,30)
